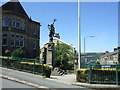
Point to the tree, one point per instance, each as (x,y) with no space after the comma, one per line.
(63,54)
(19,53)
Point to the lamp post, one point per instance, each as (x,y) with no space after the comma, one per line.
(85,45)
(85,41)
(79,37)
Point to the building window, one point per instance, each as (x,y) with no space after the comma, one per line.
(22,43)
(12,42)
(34,44)
(17,37)
(4,42)
(12,36)
(23,24)
(5,21)
(18,23)
(4,35)
(17,43)
(14,23)
(34,30)
(21,37)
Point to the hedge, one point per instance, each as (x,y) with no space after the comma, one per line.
(82,75)
(28,66)
(98,75)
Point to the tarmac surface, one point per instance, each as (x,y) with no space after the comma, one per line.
(68,80)
(34,80)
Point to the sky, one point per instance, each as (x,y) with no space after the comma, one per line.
(101,20)
(96,18)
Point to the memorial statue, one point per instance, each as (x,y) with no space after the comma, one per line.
(52,31)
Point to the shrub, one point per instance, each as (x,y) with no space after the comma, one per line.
(82,75)
(14,63)
(38,68)
(19,53)
(103,75)
(47,70)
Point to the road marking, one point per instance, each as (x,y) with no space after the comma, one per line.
(23,82)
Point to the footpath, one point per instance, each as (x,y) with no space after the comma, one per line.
(71,79)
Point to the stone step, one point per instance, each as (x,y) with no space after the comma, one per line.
(58,72)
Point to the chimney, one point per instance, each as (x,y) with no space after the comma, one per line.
(115,49)
(107,52)
(118,48)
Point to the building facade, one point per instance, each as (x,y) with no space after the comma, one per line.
(56,40)
(19,31)
(110,57)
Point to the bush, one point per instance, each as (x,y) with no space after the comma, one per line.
(28,66)
(47,70)
(19,53)
(82,75)
(103,75)
(38,68)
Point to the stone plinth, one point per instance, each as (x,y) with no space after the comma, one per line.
(50,54)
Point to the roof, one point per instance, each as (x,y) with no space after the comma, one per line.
(109,54)
(61,41)
(14,6)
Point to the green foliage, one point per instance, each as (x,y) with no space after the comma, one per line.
(47,70)
(28,66)
(82,75)
(107,74)
(19,53)
(63,54)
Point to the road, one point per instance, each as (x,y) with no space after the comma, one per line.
(12,84)
(36,79)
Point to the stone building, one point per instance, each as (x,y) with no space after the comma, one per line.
(18,30)
(110,57)
(56,40)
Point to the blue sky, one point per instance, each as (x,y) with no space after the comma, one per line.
(101,20)
(65,13)
(98,19)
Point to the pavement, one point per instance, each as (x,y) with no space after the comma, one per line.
(71,79)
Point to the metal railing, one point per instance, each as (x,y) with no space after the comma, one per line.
(23,64)
(104,74)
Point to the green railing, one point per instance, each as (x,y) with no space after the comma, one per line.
(104,74)
(23,64)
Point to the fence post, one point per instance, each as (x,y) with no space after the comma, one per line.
(34,66)
(116,74)
(90,73)
(42,69)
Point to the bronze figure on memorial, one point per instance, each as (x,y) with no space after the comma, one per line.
(52,31)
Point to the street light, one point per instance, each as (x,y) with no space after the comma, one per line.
(85,60)
(85,39)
